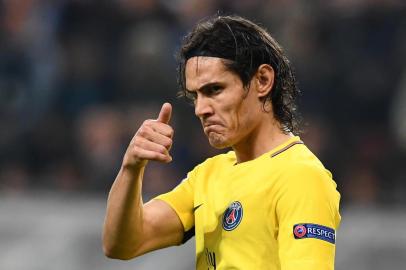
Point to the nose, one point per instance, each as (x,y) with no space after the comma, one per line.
(203,106)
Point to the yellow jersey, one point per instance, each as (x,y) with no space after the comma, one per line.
(278,211)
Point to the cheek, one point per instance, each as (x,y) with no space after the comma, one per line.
(239,116)
(234,110)
(245,116)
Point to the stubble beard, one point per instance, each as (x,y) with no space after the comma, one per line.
(217,140)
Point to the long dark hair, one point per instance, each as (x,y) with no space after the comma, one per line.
(244,46)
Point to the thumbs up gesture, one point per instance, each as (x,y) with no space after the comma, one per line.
(152,141)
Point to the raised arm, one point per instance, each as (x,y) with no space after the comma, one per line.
(132,228)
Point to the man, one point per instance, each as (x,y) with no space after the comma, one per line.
(269,203)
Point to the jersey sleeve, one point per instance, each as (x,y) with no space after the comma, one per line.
(308,216)
(181,200)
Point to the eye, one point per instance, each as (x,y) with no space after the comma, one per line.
(217,88)
(214,90)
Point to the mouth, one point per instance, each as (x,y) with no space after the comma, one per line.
(211,127)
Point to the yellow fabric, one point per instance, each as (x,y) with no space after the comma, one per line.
(277,190)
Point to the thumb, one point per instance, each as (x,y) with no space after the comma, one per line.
(165,113)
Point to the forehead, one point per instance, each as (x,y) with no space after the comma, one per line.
(201,70)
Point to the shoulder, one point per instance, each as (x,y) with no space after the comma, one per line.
(299,160)
(306,169)
(303,170)
(306,182)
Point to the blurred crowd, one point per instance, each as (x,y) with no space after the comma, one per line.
(77,78)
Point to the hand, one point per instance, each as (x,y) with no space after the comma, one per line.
(152,141)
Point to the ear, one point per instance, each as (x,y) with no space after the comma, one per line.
(264,79)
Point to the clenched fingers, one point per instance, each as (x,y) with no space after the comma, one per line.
(149,134)
(144,149)
(152,141)
(156,126)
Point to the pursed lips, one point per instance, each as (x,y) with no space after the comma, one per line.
(210,126)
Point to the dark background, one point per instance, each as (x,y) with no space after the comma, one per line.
(77,78)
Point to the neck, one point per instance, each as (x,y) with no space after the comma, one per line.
(260,141)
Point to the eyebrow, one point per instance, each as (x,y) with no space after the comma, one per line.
(203,87)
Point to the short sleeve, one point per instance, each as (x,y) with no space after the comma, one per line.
(181,200)
(308,216)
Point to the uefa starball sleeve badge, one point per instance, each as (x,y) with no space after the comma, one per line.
(310,230)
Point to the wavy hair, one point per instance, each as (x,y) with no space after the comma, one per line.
(244,46)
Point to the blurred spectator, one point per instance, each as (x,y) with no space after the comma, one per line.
(99,132)
(398,116)
(14,177)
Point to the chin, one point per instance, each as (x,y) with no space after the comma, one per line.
(219,142)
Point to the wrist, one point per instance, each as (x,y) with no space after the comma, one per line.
(133,165)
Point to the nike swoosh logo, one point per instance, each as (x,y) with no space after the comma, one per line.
(196,207)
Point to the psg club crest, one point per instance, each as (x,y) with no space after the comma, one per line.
(232,216)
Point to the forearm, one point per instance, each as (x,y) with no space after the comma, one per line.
(123,226)
(127,230)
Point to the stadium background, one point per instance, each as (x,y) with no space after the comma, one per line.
(78,77)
